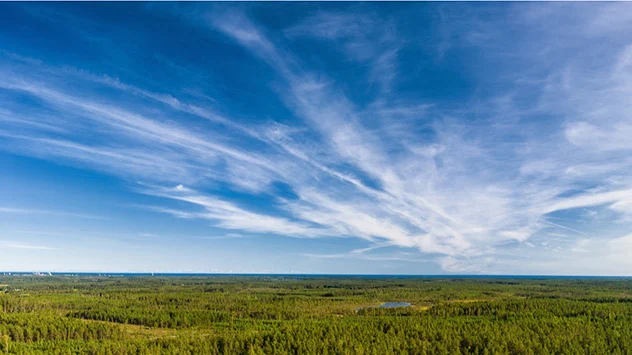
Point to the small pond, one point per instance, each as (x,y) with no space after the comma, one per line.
(394,304)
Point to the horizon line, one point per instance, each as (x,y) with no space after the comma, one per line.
(156,273)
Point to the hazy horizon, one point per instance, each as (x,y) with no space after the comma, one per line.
(41,273)
(316,138)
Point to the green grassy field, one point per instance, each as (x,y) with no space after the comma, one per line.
(313,315)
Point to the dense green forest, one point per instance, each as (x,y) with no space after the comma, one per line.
(313,315)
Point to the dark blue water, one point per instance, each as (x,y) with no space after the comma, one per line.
(394,304)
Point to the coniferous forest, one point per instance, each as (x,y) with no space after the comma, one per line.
(313,315)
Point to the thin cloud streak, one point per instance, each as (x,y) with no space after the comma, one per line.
(30,211)
(7,244)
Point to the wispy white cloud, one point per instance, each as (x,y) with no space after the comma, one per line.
(441,208)
(223,236)
(363,37)
(31,211)
(585,200)
(230,216)
(7,244)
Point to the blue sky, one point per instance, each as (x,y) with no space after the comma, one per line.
(395,138)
